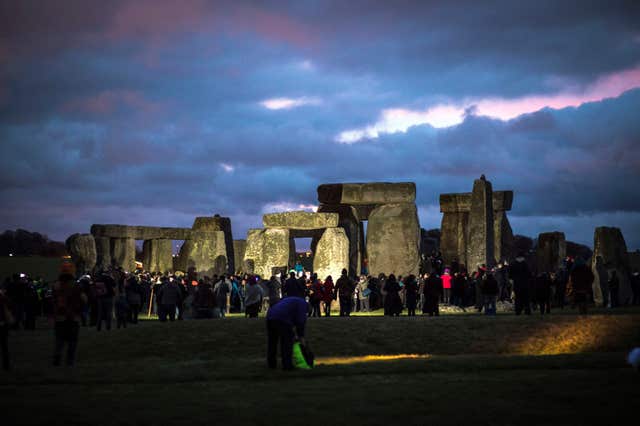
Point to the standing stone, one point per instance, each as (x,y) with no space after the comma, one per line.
(276,252)
(82,248)
(480,245)
(551,250)
(124,253)
(393,240)
(609,244)
(157,255)
(253,250)
(103,253)
(504,242)
(453,237)
(332,253)
(206,252)
(239,248)
(218,223)
(349,221)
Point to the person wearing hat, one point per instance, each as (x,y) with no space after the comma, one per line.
(69,300)
(521,275)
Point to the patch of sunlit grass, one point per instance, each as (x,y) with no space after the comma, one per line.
(367,358)
(584,334)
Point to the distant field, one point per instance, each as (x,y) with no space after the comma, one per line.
(35,266)
(557,370)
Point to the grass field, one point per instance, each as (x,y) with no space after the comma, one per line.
(561,369)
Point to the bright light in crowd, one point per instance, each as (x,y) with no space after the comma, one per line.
(288,103)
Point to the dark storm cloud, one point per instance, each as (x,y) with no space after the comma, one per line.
(153,112)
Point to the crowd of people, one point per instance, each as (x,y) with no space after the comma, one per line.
(94,301)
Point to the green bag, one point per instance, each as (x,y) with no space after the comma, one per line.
(299,361)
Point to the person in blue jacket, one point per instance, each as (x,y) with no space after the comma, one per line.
(282,318)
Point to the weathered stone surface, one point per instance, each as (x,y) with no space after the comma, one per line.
(140,232)
(300,220)
(82,248)
(239,248)
(348,220)
(480,244)
(552,249)
(103,253)
(609,245)
(218,223)
(504,242)
(123,253)
(207,255)
(157,255)
(393,240)
(461,202)
(453,238)
(454,203)
(367,193)
(253,250)
(332,253)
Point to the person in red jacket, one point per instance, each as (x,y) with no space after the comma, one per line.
(328,295)
(446,286)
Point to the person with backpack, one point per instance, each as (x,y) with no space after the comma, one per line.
(285,322)
(68,303)
(364,292)
(105,290)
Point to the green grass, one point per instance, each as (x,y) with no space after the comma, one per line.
(560,369)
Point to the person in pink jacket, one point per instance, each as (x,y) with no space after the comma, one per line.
(446,286)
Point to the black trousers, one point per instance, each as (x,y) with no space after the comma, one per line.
(277,331)
(315,308)
(105,312)
(66,333)
(345,306)
(4,343)
(134,311)
(523,302)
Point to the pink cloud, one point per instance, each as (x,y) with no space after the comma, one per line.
(608,86)
(271,26)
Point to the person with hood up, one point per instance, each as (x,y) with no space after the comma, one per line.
(392,302)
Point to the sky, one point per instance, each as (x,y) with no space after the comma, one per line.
(154,112)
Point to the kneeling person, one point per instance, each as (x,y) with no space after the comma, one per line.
(282,318)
